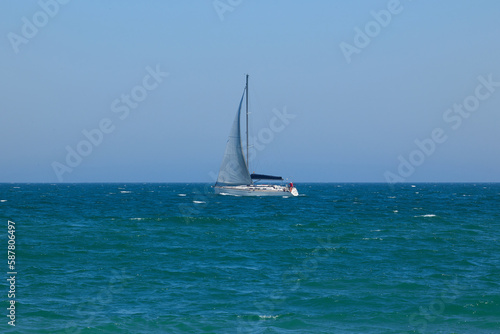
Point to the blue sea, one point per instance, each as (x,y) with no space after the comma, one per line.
(175,258)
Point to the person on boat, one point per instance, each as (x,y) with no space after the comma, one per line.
(291,185)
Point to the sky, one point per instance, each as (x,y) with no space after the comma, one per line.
(340,91)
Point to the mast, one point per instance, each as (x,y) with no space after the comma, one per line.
(246,88)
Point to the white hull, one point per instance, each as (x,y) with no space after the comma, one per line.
(256,190)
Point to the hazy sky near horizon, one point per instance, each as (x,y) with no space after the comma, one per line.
(340,91)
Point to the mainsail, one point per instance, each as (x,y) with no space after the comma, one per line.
(234,170)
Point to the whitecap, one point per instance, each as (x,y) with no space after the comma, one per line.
(286,196)
(3,200)
(425,216)
(268,316)
(182,195)
(395,211)
(125,192)
(199,202)
(413,186)
(137,218)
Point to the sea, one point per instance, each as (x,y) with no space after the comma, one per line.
(176,258)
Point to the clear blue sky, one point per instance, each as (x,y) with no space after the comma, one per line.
(65,68)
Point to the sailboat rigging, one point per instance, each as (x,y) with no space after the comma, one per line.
(234,177)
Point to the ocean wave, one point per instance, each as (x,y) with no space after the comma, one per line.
(268,316)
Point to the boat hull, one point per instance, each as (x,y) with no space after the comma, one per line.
(256,190)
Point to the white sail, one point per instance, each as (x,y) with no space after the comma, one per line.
(233,170)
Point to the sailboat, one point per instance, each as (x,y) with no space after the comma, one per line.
(234,177)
